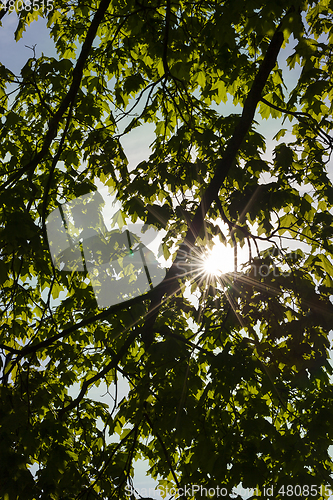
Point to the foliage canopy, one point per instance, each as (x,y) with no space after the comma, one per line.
(234,388)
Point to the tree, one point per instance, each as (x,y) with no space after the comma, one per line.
(235,389)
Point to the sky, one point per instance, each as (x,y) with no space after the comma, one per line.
(136,145)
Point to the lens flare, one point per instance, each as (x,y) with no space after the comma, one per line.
(219,260)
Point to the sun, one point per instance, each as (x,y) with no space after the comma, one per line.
(219,260)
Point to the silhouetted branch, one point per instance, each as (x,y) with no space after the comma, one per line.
(169,284)
(112,364)
(77,75)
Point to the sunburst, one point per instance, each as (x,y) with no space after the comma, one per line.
(219,260)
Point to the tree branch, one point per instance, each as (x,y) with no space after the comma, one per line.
(300,115)
(112,364)
(77,75)
(85,492)
(163,448)
(169,284)
(31,348)
(166,39)
(54,163)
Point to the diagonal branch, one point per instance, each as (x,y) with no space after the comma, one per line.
(169,284)
(77,76)
(166,39)
(112,364)
(300,115)
(54,163)
(32,348)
